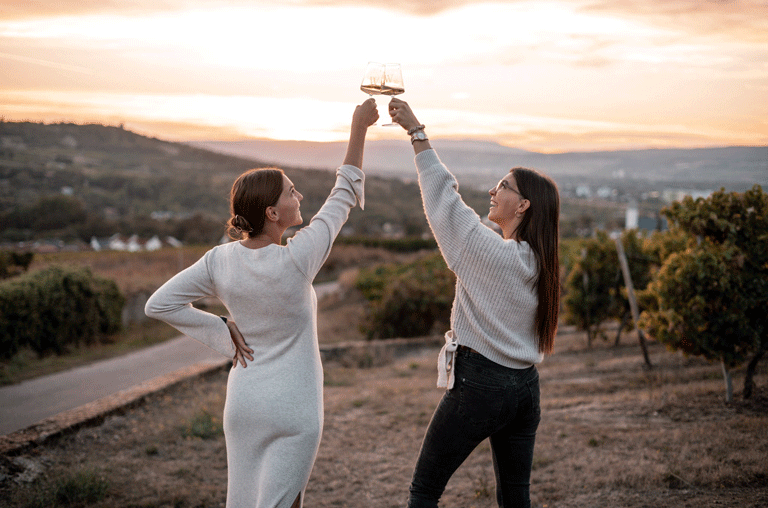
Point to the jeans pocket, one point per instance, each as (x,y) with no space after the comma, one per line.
(480,404)
(535,392)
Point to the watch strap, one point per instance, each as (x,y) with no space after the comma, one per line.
(415,129)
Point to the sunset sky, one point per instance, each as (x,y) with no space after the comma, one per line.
(549,76)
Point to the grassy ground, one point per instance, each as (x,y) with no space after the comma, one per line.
(613,434)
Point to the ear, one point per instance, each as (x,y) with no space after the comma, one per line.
(523,206)
(271,213)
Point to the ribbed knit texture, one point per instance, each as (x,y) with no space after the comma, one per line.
(273,415)
(495,305)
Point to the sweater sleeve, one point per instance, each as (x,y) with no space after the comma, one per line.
(310,246)
(172,303)
(451,220)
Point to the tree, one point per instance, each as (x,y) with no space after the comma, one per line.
(711,299)
(591,286)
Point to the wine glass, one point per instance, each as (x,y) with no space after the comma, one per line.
(392,84)
(373,79)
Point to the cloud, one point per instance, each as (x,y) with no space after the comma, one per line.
(26,9)
(48,63)
(619,61)
(19,9)
(745,20)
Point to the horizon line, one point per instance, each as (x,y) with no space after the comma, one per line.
(484,139)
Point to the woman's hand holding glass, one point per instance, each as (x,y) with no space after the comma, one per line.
(383,79)
(365,114)
(402,114)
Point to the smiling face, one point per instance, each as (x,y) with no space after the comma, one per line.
(506,202)
(286,211)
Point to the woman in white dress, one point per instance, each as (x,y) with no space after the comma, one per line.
(273,415)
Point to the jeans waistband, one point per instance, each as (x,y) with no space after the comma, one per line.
(476,362)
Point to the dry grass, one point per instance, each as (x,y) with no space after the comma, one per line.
(146,271)
(612,435)
(134,272)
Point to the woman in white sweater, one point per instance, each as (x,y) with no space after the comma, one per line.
(273,415)
(503,321)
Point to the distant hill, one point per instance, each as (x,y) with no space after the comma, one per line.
(735,168)
(76,181)
(70,180)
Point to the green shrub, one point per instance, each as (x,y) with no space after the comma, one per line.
(407,300)
(54,308)
(591,286)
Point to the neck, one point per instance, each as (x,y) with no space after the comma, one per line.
(509,228)
(263,239)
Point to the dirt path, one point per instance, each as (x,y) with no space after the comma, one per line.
(612,435)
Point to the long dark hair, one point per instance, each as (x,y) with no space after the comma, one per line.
(251,194)
(540,228)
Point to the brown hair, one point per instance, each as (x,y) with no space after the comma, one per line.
(251,194)
(540,228)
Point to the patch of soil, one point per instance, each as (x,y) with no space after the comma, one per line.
(613,434)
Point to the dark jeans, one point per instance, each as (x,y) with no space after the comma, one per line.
(487,400)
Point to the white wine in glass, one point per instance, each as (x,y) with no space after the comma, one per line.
(373,79)
(392,84)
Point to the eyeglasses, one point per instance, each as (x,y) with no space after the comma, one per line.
(505,185)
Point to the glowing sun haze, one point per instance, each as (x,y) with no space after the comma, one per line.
(546,76)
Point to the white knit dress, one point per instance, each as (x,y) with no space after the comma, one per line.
(273,415)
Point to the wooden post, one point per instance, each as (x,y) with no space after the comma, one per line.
(585,284)
(632,300)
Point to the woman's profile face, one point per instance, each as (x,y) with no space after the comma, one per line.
(287,206)
(505,200)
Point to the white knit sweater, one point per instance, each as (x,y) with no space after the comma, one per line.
(495,305)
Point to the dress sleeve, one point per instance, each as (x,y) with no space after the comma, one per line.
(172,303)
(451,220)
(310,246)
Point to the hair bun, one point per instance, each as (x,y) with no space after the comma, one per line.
(241,223)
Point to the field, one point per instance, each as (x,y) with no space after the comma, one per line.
(146,271)
(612,435)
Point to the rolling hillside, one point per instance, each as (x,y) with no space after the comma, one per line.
(76,181)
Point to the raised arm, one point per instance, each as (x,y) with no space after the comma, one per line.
(310,247)
(451,220)
(364,116)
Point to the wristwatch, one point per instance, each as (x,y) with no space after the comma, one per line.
(419,135)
